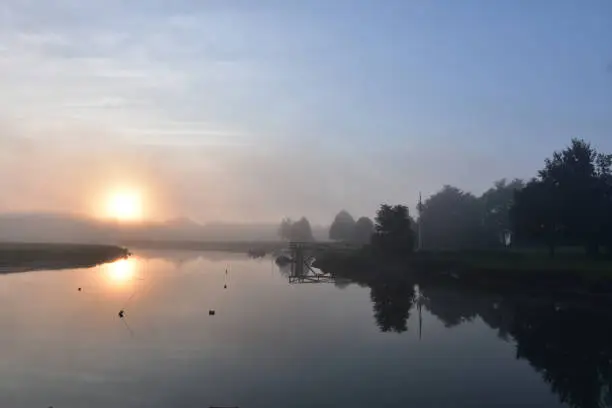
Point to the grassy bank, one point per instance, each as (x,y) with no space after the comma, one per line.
(19,257)
(499,270)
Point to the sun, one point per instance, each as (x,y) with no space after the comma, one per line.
(124,206)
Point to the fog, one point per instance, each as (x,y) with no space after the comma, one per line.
(227,111)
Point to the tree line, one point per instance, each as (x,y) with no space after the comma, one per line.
(345,228)
(299,230)
(567,203)
(391,232)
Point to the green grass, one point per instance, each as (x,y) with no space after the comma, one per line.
(16,257)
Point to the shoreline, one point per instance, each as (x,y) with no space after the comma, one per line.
(565,275)
(26,257)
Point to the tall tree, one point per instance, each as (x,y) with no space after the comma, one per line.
(284,230)
(343,227)
(496,204)
(364,228)
(536,215)
(393,231)
(573,188)
(451,219)
(606,220)
(301,230)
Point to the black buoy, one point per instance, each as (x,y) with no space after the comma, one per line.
(211,312)
(224,286)
(79,289)
(121,313)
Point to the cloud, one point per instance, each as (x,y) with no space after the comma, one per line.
(238,111)
(102,103)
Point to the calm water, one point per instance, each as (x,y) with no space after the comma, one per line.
(276,344)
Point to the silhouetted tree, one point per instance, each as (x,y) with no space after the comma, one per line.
(451,219)
(496,205)
(606,219)
(301,231)
(284,231)
(393,231)
(295,231)
(364,228)
(343,227)
(535,214)
(570,197)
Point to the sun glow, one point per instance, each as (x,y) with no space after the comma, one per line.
(121,271)
(124,206)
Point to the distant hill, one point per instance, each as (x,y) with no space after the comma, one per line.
(68,228)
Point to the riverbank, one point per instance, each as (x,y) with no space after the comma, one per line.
(528,271)
(21,257)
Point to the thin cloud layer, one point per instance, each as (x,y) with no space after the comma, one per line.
(251,111)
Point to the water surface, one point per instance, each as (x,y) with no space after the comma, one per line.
(276,344)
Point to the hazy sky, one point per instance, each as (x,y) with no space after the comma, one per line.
(251,110)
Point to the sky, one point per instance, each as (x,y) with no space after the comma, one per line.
(252,110)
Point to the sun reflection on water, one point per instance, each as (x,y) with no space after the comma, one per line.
(121,272)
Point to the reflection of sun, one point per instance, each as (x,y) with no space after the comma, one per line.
(122,270)
(124,206)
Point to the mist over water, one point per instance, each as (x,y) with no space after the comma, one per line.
(444,163)
(270,343)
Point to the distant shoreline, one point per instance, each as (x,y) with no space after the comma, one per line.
(25,257)
(225,246)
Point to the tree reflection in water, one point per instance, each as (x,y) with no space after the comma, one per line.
(569,345)
(392,303)
(568,342)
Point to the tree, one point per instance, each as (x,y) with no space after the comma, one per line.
(393,231)
(451,219)
(573,173)
(570,199)
(496,204)
(535,214)
(301,231)
(606,221)
(284,231)
(343,227)
(295,231)
(364,228)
